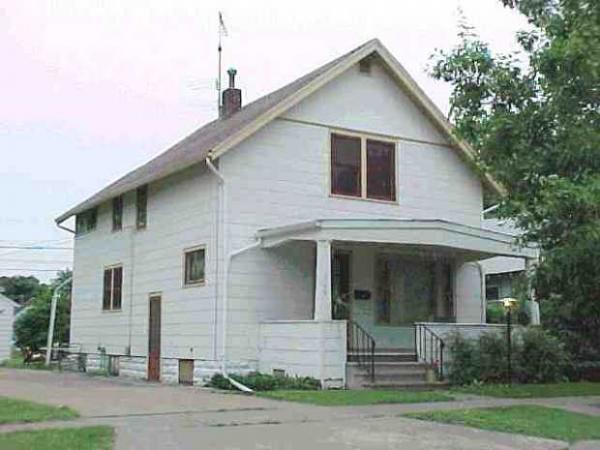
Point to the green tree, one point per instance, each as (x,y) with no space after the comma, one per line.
(19,288)
(533,118)
(31,327)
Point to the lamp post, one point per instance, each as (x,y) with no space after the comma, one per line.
(509,304)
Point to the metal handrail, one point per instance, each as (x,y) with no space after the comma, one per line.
(362,345)
(434,355)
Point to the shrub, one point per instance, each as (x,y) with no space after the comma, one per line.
(584,370)
(463,366)
(537,357)
(494,313)
(263,382)
(541,357)
(491,349)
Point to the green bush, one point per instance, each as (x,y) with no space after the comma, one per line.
(541,357)
(464,366)
(263,382)
(537,357)
(491,353)
(494,313)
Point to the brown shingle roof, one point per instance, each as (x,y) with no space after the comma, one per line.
(197,146)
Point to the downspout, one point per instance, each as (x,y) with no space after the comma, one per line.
(62,227)
(225,277)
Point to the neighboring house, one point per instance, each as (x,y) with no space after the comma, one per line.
(7,317)
(502,272)
(288,234)
(503,275)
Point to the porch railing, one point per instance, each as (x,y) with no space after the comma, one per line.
(362,347)
(430,348)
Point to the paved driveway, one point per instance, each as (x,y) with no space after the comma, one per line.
(151,416)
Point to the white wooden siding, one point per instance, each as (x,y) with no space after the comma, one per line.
(280,176)
(181,214)
(305,348)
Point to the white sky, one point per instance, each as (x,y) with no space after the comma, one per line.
(90,89)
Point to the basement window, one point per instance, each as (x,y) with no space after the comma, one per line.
(194,260)
(363,167)
(113,286)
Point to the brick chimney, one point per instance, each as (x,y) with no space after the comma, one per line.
(232,97)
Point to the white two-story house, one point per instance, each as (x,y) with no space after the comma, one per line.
(309,232)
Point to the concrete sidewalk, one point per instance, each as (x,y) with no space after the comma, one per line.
(154,416)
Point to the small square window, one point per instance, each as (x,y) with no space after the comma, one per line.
(86,221)
(195,266)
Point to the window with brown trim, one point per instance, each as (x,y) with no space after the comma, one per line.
(141,207)
(195,262)
(381,176)
(117,213)
(113,288)
(363,167)
(345,165)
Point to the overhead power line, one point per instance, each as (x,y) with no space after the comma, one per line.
(29,269)
(33,247)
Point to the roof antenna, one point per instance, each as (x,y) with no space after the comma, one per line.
(222,32)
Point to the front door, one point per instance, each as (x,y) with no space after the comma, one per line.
(341,295)
(154,338)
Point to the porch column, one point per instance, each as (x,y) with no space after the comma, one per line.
(323,281)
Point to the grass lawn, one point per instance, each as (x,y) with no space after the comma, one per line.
(551,423)
(534,390)
(16,362)
(13,410)
(346,398)
(86,438)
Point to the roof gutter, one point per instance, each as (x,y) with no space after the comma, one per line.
(62,227)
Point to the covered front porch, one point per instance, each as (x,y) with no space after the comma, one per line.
(378,278)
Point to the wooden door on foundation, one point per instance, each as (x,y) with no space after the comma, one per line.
(154,338)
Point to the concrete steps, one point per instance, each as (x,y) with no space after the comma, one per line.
(388,355)
(394,369)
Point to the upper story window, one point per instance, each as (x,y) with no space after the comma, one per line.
(86,221)
(112,292)
(363,167)
(141,207)
(117,213)
(194,266)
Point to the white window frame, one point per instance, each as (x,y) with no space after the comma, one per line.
(185,252)
(112,285)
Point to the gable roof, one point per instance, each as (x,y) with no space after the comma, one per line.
(8,301)
(218,136)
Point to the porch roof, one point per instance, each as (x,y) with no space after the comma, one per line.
(480,243)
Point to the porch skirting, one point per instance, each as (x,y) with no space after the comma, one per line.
(305,348)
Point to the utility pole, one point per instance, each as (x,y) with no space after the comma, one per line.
(55,296)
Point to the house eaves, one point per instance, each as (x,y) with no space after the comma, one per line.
(219,136)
